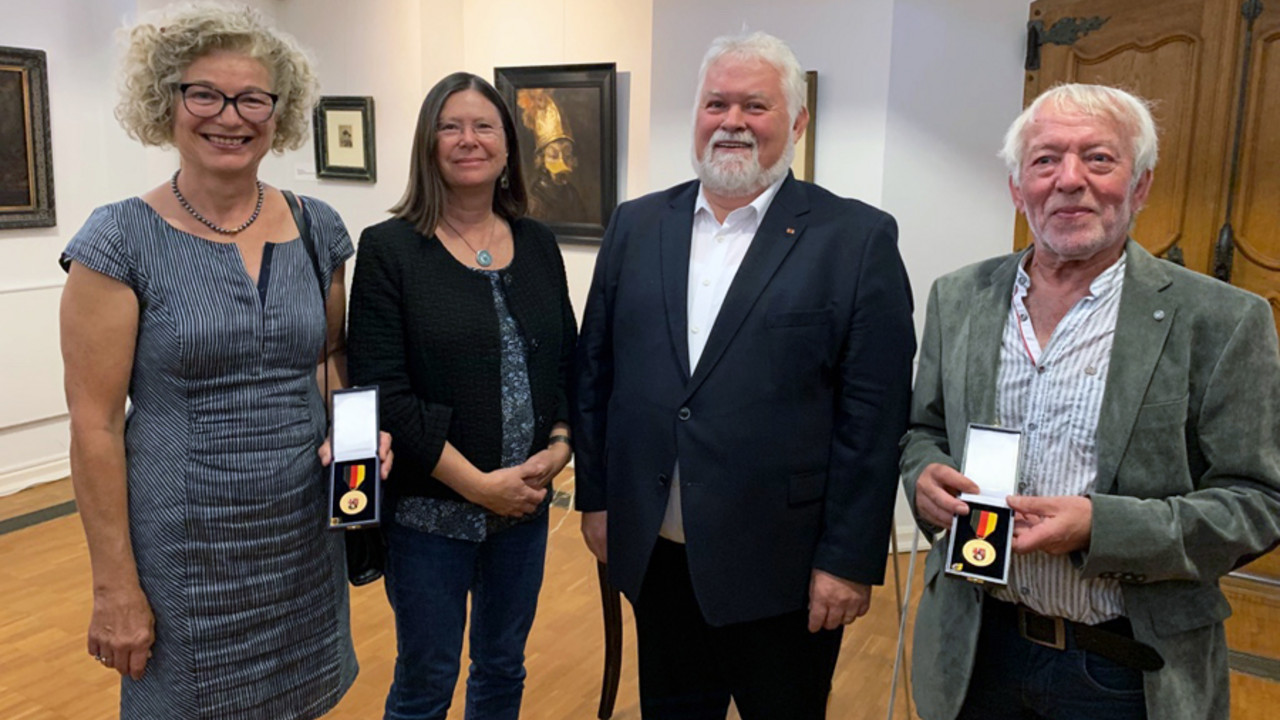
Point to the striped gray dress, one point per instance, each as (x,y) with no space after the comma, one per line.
(226,496)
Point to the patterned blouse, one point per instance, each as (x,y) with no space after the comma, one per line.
(462,520)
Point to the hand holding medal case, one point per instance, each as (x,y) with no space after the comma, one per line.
(981,542)
(355,487)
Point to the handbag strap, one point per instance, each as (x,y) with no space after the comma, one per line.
(304,234)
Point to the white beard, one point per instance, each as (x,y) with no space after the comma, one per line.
(732,176)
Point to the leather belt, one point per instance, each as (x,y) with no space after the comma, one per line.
(1112,640)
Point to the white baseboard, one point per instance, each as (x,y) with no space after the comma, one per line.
(11,481)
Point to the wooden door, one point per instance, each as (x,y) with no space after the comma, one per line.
(1255,216)
(1178,54)
(1256,212)
(1187,56)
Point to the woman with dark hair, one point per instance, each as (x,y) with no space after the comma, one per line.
(460,314)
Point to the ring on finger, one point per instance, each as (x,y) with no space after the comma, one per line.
(102,659)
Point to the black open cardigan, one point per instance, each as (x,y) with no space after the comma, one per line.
(423,328)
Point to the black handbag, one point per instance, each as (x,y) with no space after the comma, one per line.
(366,555)
(366,548)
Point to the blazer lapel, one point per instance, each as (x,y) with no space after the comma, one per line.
(1142,327)
(674,239)
(987,318)
(781,227)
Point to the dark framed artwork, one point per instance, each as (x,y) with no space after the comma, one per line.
(345,146)
(802,165)
(26,159)
(567,126)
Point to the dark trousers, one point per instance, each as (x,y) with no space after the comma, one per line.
(774,669)
(1016,679)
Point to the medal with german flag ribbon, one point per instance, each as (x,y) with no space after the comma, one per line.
(978,551)
(354,500)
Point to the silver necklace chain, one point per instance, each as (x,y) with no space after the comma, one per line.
(209,223)
(483,257)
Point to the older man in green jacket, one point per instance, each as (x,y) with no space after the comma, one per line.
(1148,398)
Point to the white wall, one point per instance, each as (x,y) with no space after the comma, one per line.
(848,43)
(500,33)
(393,50)
(90,153)
(411,44)
(955,83)
(377,51)
(913,98)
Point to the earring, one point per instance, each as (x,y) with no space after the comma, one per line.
(503,182)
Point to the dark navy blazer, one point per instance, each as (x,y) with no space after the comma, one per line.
(787,430)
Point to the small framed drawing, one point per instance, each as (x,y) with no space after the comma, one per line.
(567,126)
(802,165)
(345,146)
(26,161)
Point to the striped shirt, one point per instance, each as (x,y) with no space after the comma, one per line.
(1054,396)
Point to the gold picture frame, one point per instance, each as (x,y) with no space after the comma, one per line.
(26,161)
(802,165)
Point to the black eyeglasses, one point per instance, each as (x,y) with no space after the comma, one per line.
(205,102)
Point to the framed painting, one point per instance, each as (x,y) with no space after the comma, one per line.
(802,165)
(344,138)
(26,160)
(567,127)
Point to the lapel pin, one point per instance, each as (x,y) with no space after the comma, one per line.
(1159,314)
(791,231)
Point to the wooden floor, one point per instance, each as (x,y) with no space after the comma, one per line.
(36,498)
(46,674)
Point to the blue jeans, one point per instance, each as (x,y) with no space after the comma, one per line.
(1016,679)
(427,581)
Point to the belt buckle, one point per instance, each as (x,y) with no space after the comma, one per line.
(1032,631)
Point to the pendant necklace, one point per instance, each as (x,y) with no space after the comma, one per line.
(173,184)
(483,258)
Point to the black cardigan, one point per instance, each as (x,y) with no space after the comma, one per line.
(424,329)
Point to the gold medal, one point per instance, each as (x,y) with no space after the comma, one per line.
(979,552)
(353,502)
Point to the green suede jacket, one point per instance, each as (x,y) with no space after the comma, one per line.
(1188,483)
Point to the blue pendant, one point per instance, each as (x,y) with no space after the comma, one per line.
(484,258)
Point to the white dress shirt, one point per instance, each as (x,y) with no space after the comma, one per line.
(1054,396)
(715,254)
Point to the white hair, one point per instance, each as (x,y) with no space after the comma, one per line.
(764,47)
(1130,112)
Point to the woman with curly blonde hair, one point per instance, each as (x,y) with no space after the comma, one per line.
(217,591)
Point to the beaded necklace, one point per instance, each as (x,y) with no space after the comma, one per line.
(209,223)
